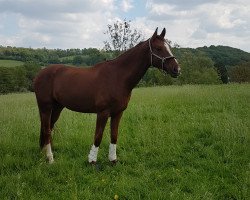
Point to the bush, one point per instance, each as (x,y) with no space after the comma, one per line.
(240,73)
(31,69)
(18,79)
(198,69)
(12,79)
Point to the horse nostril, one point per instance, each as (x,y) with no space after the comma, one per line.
(177,70)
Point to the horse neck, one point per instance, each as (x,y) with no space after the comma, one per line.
(133,64)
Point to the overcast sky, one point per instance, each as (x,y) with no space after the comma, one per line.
(81,23)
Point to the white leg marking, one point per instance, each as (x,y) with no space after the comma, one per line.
(49,153)
(93,154)
(112,152)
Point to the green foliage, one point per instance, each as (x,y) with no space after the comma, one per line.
(155,77)
(240,73)
(78,60)
(13,79)
(197,69)
(223,73)
(225,56)
(31,71)
(18,79)
(10,63)
(185,142)
(88,57)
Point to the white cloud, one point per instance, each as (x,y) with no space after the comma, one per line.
(64,24)
(126,5)
(81,23)
(198,22)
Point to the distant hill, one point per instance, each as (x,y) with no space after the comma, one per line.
(226,56)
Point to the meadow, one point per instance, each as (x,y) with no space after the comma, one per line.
(175,142)
(10,63)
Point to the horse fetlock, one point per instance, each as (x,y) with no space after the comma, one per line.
(50,158)
(49,154)
(92,157)
(112,153)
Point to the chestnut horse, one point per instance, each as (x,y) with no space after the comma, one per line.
(104,89)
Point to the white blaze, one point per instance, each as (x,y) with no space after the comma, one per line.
(169,51)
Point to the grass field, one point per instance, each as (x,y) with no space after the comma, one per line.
(10,63)
(177,142)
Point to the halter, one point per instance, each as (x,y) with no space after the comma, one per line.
(161,58)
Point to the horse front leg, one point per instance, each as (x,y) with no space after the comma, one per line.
(100,125)
(115,120)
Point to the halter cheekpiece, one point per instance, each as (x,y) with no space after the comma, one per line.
(157,56)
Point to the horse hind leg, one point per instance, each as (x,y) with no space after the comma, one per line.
(45,134)
(115,120)
(56,111)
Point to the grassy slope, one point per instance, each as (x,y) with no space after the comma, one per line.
(189,142)
(10,63)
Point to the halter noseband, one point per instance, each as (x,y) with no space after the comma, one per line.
(161,58)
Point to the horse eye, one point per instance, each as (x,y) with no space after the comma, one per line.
(158,49)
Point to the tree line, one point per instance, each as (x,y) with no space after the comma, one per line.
(199,66)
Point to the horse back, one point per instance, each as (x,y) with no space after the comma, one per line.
(80,89)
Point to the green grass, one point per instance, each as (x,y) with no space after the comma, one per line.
(10,63)
(67,57)
(177,142)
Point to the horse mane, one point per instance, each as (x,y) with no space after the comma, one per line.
(131,50)
(128,52)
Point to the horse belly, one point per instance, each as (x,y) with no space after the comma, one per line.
(75,94)
(77,101)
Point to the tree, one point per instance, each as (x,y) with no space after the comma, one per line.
(12,79)
(121,36)
(240,73)
(223,72)
(32,70)
(197,69)
(77,60)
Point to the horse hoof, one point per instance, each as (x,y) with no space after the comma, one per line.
(95,166)
(50,161)
(113,162)
(92,162)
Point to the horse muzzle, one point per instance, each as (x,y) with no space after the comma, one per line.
(176,72)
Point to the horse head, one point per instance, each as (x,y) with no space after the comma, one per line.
(161,55)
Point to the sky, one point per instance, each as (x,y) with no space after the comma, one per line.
(81,23)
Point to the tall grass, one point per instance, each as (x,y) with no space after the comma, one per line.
(178,142)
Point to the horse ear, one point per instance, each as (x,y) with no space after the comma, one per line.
(163,33)
(155,33)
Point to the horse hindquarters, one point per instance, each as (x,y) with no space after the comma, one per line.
(43,86)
